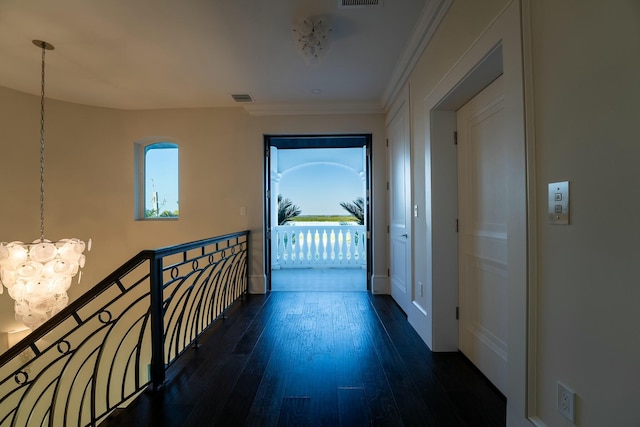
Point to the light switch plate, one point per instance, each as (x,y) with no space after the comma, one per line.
(559,203)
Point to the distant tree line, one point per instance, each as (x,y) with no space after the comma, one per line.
(152,213)
(287,210)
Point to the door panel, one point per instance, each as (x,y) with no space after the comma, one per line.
(400,207)
(482,205)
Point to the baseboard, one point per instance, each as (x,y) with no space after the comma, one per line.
(380,285)
(537,422)
(257,284)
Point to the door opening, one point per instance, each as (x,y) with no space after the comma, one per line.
(317,212)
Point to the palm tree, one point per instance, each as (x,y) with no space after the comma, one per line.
(356,209)
(286,210)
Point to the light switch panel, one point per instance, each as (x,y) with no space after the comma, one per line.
(559,203)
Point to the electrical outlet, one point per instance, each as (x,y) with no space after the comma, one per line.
(566,402)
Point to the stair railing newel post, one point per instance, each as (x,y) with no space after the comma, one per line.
(157,324)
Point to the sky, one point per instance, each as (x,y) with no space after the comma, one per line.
(318,188)
(161,174)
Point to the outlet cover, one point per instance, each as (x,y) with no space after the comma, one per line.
(566,402)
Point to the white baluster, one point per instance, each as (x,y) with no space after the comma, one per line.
(301,240)
(333,245)
(316,241)
(340,240)
(348,245)
(324,244)
(284,240)
(309,245)
(356,246)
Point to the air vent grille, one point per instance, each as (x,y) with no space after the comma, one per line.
(242,97)
(359,3)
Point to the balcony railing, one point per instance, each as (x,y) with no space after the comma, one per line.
(306,246)
(100,352)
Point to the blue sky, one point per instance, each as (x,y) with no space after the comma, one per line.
(318,188)
(161,173)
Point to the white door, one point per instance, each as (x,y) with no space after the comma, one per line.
(400,206)
(482,211)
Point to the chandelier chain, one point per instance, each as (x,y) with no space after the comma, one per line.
(38,274)
(42,149)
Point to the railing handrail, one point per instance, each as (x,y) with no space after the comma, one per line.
(171,250)
(84,299)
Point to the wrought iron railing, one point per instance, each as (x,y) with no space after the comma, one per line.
(305,246)
(119,338)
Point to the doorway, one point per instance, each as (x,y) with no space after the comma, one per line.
(497,52)
(317,212)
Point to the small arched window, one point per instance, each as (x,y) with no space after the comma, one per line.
(157,171)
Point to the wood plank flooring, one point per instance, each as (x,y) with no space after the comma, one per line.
(317,359)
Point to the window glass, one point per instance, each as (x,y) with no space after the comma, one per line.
(161,197)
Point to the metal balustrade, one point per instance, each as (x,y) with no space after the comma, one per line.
(305,246)
(119,338)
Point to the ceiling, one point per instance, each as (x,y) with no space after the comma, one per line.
(149,54)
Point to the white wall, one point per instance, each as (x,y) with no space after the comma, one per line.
(585,87)
(586,63)
(90,171)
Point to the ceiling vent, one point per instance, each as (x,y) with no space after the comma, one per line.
(345,4)
(242,97)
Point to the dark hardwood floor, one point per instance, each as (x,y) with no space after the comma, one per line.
(317,359)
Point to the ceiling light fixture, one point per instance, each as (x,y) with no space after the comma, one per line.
(38,275)
(312,38)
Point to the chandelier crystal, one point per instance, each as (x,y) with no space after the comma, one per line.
(37,275)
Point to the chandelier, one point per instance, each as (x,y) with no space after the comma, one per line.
(37,275)
(312,38)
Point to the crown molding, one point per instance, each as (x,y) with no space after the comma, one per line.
(313,109)
(432,15)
